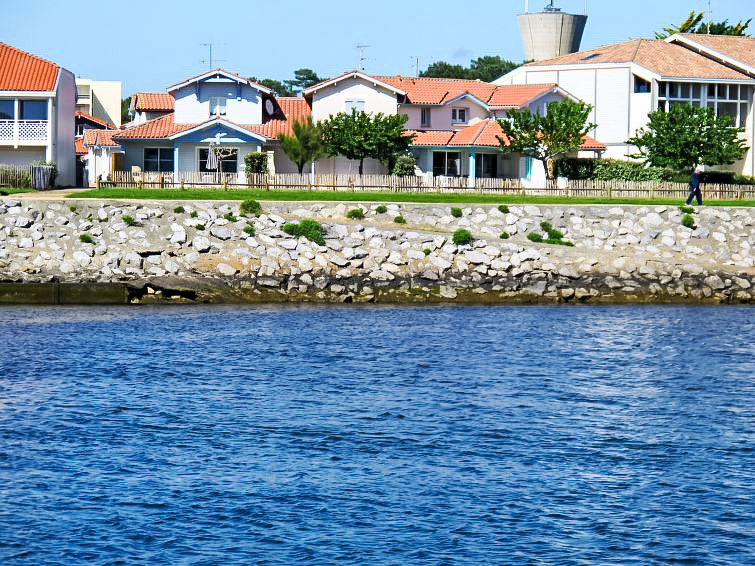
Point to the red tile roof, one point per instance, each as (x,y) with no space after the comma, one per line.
(78,146)
(90,118)
(158,128)
(657,55)
(103,138)
(23,71)
(152,102)
(740,48)
(591,143)
(431,137)
(288,110)
(516,96)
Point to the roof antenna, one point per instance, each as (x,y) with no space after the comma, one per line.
(210,60)
(361,47)
(710,16)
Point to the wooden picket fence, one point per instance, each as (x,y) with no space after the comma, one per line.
(423,184)
(15,176)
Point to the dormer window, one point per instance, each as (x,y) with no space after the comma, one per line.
(459,115)
(217,106)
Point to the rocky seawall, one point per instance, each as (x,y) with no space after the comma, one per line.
(72,251)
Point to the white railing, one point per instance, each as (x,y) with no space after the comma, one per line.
(24,130)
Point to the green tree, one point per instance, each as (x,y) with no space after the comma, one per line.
(278,88)
(547,137)
(695,24)
(304,78)
(443,70)
(687,136)
(125,104)
(490,67)
(359,135)
(305,145)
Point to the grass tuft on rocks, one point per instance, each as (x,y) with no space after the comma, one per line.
(456,212)
(400,220)
(199,227)
(230,217)
(505,235)
(193,214)
(179,209)
(128,220)
(249,229)
(86,238)
(503,208)
(688,221)
(250,207)
(72,208)
(381,209)
(427,251)
(355,214)
(535,237)
(462,237)
(310,229)
(686,209)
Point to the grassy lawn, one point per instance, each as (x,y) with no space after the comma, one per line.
(344,196)
(12,191)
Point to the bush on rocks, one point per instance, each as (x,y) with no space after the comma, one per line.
(355,214)
(86,238)
(128,220)
(400,220)
(250,207)
(179,210)
(456,212)
(381,209)
(249,229)
(230,217)
(310,229)
(686,209)
(462,237)
(427,251)
(503,208)
(505,235)
(534,237)
(193,214)
(72,208)
(199,227)
(688,221)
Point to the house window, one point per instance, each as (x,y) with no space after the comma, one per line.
(33,109)
(6,110)
(446,163)
(217,106)
(228,164)
(158,159)
(486,165)
(425,118)
(357,105)
(459,115)
(641,85)
(723,99)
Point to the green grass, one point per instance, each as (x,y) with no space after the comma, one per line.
(14,191)
(345,196)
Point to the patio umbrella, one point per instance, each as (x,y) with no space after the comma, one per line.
(212,159)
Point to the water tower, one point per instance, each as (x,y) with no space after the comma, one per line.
(550,33)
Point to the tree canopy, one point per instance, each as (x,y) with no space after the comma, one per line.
(125,105)
(687,136)
(360,135)
(560,131)
(305,145)
(695,24)
(303,78)
(486,68)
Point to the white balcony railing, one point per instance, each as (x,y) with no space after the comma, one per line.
(24,131)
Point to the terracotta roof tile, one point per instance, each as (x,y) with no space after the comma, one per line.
(516,96)
(741,48)
(23,71)
(78,146)
(288,110)
(657,55)
(154,129)
(102,138)
(432,137)
(153,102)
(90,118)
(426,90)
(590,143)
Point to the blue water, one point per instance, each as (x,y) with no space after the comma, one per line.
(371,436)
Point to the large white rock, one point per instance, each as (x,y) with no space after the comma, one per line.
(201,244)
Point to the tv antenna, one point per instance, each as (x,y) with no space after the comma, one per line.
(210,61)
(710,16)
(361,47)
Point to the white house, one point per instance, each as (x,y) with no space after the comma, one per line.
(37,105)
(453,121)
(625,81)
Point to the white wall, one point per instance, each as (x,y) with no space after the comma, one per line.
(332,99)
(21,156)
(341,166)
(440,116)
(63,122)
(193,109)
(106,101)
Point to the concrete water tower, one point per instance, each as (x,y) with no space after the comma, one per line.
(550,33)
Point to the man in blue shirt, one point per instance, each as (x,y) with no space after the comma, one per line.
(694,187)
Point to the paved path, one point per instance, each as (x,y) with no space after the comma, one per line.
(57,194)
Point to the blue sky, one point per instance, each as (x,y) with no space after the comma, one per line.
(149,45)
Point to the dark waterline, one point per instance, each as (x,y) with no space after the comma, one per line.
(377,435)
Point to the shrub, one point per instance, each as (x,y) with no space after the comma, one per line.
(179,210)
(554,234)
(400,220)
(355,214)
(505,235)
(193,214)
(427,251)
(249,229)
(504,208)
(230,217)
(250,207)
(86,238)
(72,208)
(558,242)
(310,229)
(199,227)
(534,237)
(607,170)
(255,163)
(456,212)
(129,220)
(404,166)
(461,237)
(686,209)
(381,209)
(546,226)
(688,221)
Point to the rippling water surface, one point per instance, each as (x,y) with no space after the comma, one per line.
(260,435)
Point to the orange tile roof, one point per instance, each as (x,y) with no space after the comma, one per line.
(23,71)
(154,129)
(740,48)
(432,137)
(91,118)
(591,143)
(657,55)
(425,90)
(288,110)
(103,138)
(153,101)
(78,146)
(516,96)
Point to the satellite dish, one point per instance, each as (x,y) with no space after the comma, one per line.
(269,107)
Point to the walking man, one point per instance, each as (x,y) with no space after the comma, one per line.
(694,187)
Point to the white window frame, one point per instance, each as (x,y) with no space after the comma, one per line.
(738,94)
(220,103)
(238,155)
(159,159)
(359,104)
(455,115)
(426,111)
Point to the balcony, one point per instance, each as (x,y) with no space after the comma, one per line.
(24,132)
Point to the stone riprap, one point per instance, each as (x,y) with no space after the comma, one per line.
(620,253)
